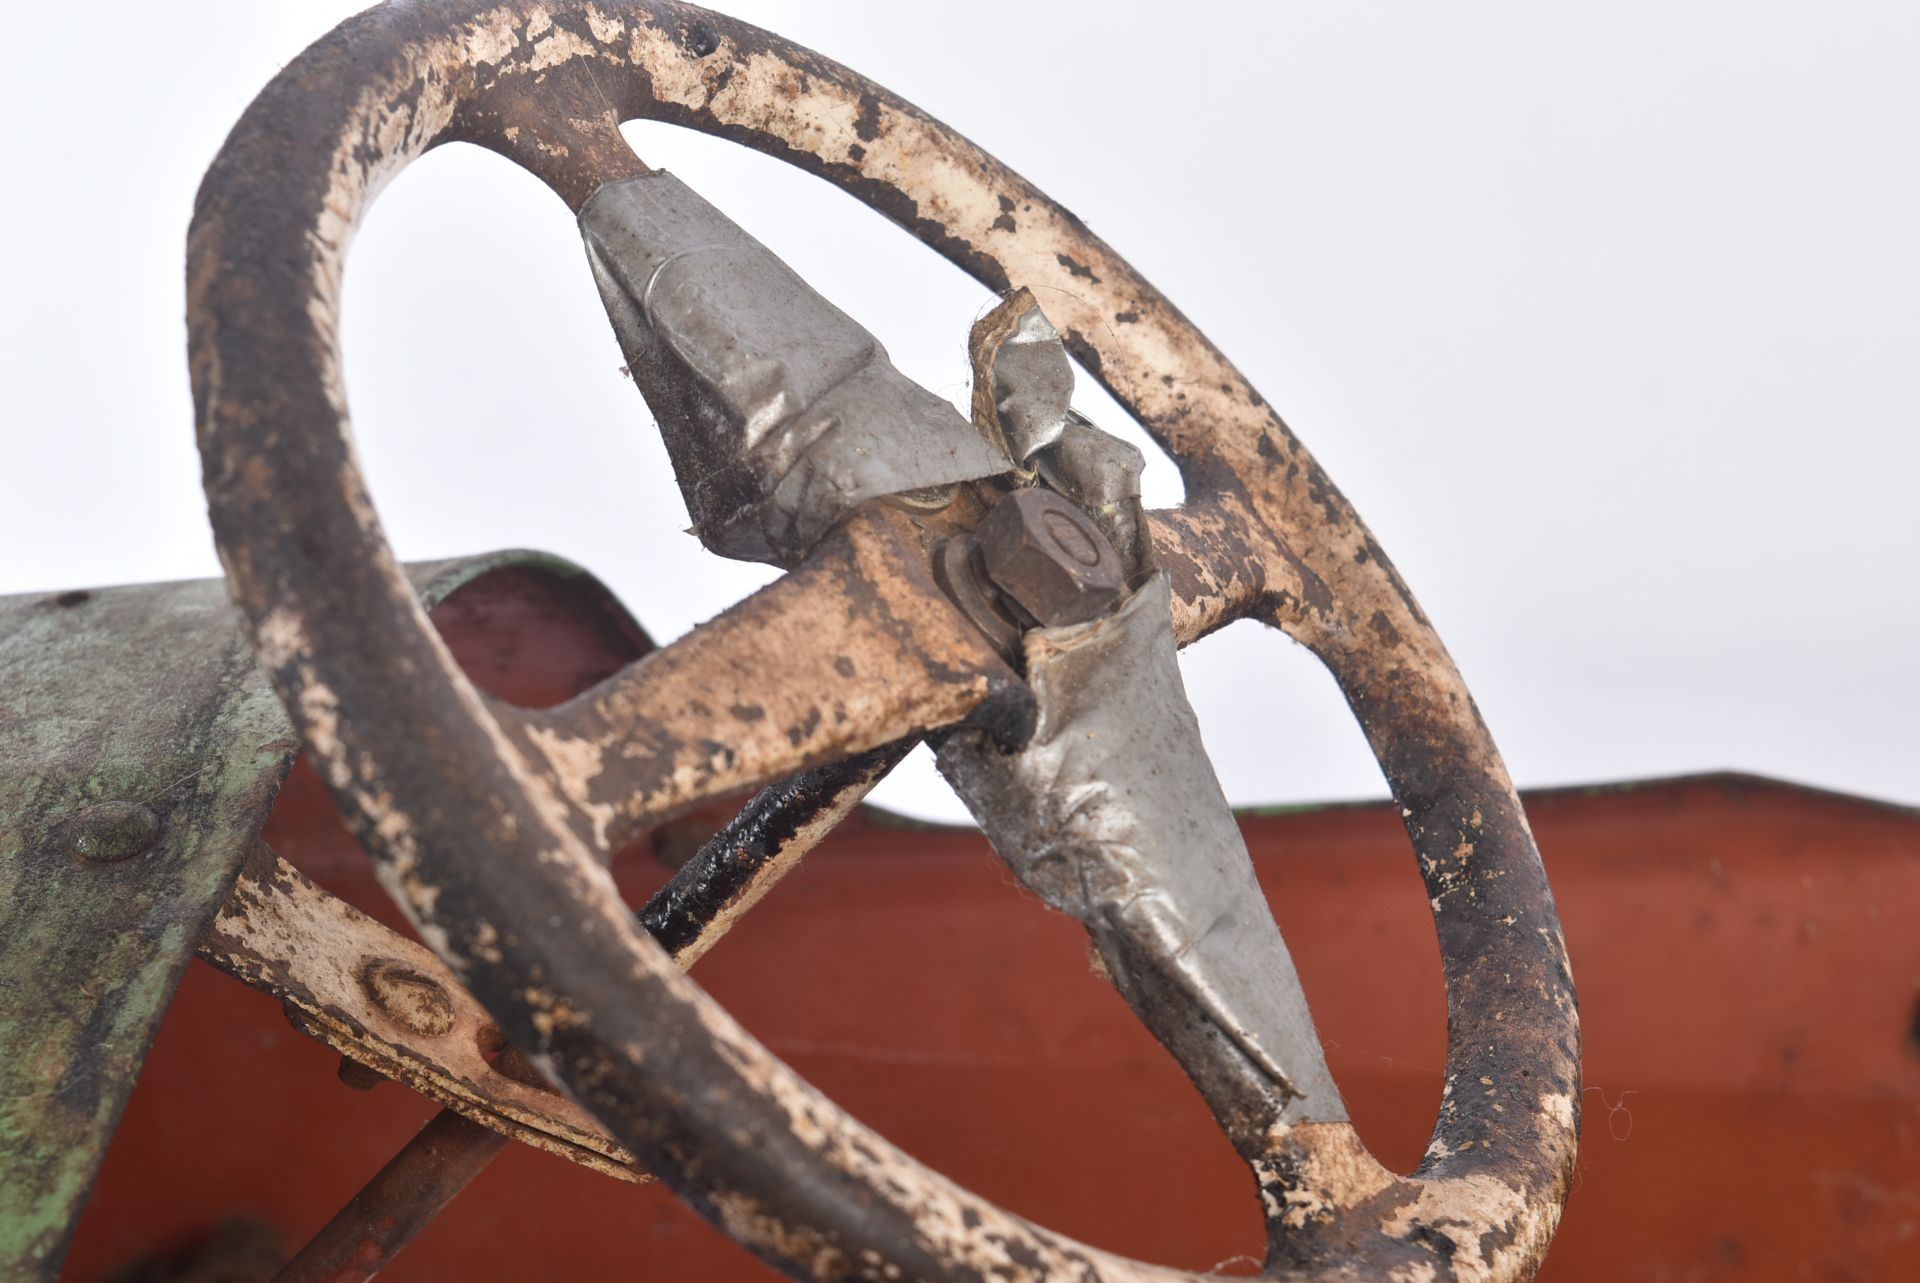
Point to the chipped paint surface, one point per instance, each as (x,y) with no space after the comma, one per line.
(853,649)
(1263,534)
(382,1000)
(573,765)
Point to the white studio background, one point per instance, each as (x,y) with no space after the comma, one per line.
(1605,319)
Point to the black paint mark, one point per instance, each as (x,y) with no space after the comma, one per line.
(867,124)
(699,39)
(1076,268)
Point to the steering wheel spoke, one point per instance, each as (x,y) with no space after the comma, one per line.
(852,649)
(1224,565)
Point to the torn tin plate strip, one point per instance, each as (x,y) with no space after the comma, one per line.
(782,413)
(1113,815)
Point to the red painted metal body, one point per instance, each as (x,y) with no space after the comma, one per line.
(1744,951)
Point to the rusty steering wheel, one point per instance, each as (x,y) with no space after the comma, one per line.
(490,823)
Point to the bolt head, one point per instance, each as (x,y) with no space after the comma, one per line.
(1050,558)
(109,831)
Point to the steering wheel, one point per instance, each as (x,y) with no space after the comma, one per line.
(490,823)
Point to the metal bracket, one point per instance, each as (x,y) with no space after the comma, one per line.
(389,1003)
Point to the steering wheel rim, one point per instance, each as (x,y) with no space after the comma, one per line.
(479,847)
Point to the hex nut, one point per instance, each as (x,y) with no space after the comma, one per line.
(1049,558)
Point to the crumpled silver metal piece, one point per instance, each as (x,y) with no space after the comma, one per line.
(1023,389)
(1101,473)
(1029,376)
(781,413)
(1112,814)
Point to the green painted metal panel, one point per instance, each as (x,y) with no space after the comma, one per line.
(140,751)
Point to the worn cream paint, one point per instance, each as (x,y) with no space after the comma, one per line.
(573,764)
(282,934)
(606,29)
(955,186)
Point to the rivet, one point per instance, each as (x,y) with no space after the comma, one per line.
(108,831)
(416,1002)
